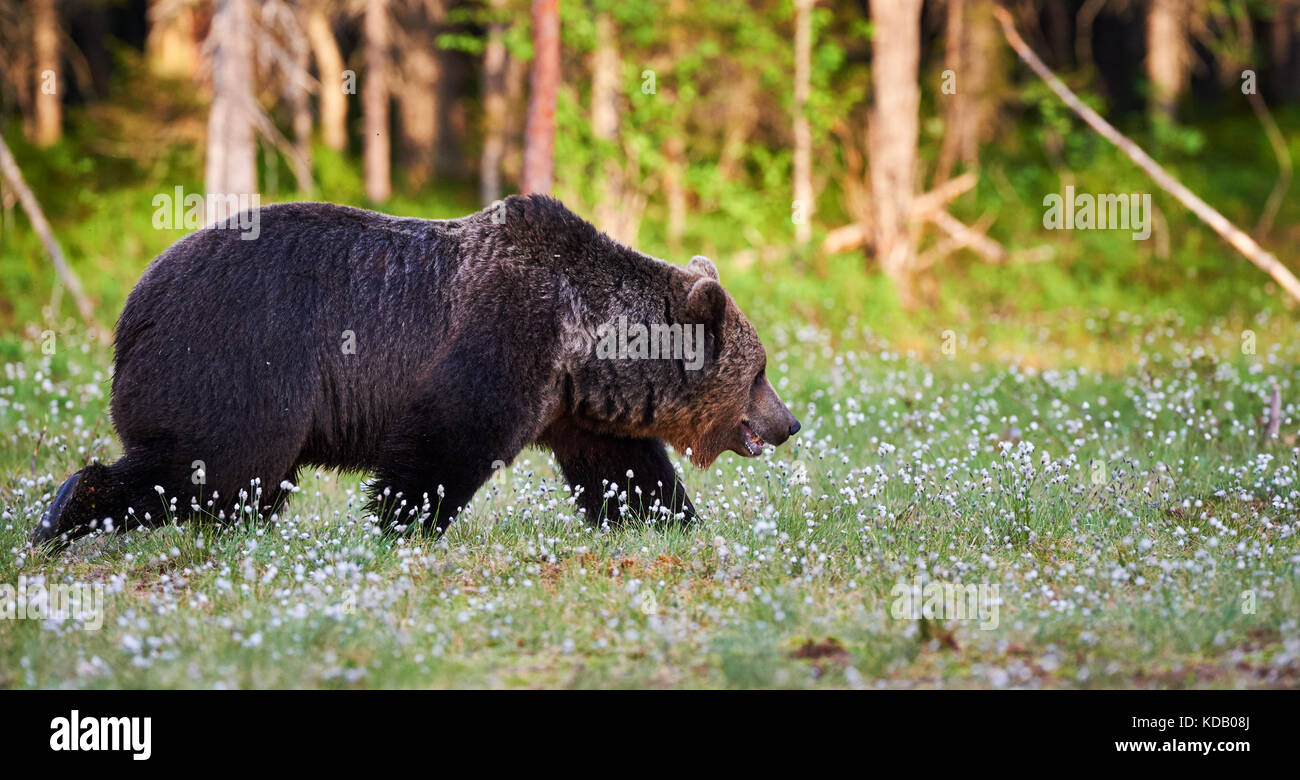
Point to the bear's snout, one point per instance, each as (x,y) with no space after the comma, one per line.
(777,427)
(769,418)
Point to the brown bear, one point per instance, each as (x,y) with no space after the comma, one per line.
(429,352)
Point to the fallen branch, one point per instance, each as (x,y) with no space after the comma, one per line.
(1238,239)
(939,197)
(854,235)
(842,239)
(14,178)
(965,237)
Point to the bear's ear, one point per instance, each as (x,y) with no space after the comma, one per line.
(706,304)
(703,266)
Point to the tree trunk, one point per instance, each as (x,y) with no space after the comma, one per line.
(891,137)
(740,119)
(172,46)
(539,135)
(512,165)
(803,187)
(1168,54)
(453,119)
(605,77)
(955,115)
(377,150)
(329,70)
(973,54)
(231,166)
(495,64)
(419,93)
(48,127)
(419,111)
(674,173)
(298,95)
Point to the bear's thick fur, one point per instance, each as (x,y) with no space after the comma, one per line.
(426,351)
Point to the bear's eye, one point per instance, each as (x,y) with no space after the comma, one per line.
(759,379)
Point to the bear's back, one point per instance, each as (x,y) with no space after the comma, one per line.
(327,308)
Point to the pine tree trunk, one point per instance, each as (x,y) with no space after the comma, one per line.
(172,46)
(231,166)
(48,128)
(329,70)
(495,64)
(539,134)
(974,54)
(605,76)
(1168,54)
(892,135)
(517,72)
(419,111)
(377,150)
(674,173)
(420,92)
(299,99)
(452,117)
(803,187)
(956,115)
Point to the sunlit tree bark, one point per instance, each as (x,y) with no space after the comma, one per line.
(803,188)
(231,165)
(605,67)
(172,46)
(973,54)
(374,102)
(48,127)
(329,70)
(674,170)
(892,134)
(1168,51)
(539,135)
(418,88)
(298,95)
(495,108)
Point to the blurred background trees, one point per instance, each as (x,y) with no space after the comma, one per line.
(803,138)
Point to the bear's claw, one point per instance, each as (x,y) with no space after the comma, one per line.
(50,528)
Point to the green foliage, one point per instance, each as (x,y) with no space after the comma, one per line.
(97,185)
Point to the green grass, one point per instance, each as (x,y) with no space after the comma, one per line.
(1131,557)
(1127,517)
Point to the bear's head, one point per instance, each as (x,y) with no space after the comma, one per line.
(728,404)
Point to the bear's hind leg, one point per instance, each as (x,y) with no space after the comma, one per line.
(600,463)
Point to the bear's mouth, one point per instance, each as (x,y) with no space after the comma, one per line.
(753,442)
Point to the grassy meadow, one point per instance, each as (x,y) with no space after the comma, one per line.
(1138,529)
(1080,434)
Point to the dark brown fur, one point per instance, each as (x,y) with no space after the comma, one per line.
(473,340)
